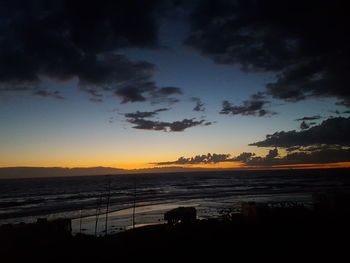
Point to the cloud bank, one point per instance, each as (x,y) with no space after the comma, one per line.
(331,132)
(304,42)
(65,40)
(328,142)
(271,159)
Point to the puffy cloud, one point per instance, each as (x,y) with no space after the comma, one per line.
(305,121)
(144,114)
(139,119)
(335,131)
(199,104)
(199,159)
(139,91)
(243,157)
(305,42)
(210,158)
(316,156)
(302,157)
(176,126)
(64,40)
(186,123)
(328,142)
(253,107)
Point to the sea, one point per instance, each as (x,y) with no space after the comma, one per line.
(107,204)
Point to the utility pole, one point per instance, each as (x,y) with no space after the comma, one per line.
(134,206)
(98,208)
(81,218)
(107,208)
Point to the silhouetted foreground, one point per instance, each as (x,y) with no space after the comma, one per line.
(278,232)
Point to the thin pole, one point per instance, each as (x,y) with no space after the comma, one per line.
(107,208)
(98,208)
(134,207)
(81,218)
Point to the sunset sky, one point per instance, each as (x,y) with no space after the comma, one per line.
(140,84)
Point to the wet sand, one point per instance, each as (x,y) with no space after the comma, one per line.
(148,213)
(122,220)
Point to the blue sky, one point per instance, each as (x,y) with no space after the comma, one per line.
(69,129)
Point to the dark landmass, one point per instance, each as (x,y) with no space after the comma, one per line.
(43,172)
(51,172)
(282,234)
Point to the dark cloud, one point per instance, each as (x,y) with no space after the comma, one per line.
(186,123)
(144,114)
(167,91)
(199,104)
(176,126)
(63,40)
(143,124)
(313,157)
(243,157)
(146,91)
(304,125)
(253,107)
(312,118)
(198,159)
(210,158)
(272,154)
(335,131)
(141,121)
(269,159)
(305,42)
(44,93)
(164,95)
(131,81)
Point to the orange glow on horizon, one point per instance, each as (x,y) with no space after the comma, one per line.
(242,166)
(219,166)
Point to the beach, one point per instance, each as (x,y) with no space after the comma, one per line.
(82,199)
(136,229)
(286,234)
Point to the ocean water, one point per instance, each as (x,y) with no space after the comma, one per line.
(147,196)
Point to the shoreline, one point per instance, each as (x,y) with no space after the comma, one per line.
(288,234)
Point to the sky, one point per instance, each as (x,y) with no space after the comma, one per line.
(141,84)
